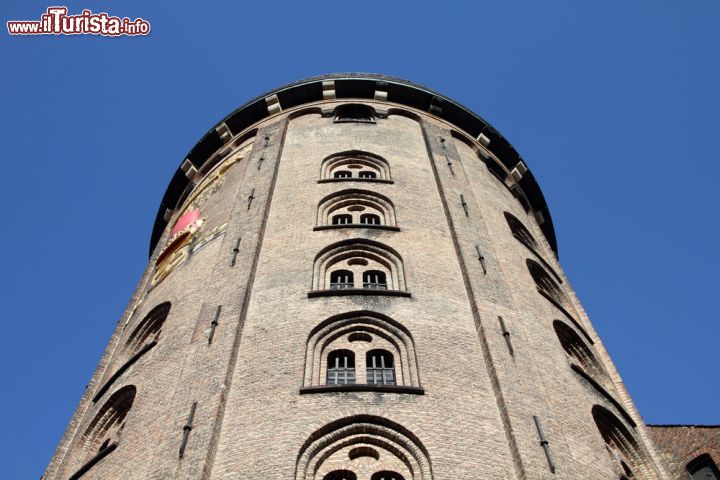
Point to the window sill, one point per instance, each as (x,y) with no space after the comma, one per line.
(91,463)
(357,225)
(122,370)
(539,257)
(579,370)
(356,387)
(374,180)
(567,314)
(358,291)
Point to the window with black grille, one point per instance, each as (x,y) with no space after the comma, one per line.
(341,279)
(375,279)
(341,367)
(379,367)
(342,219)
(369,219)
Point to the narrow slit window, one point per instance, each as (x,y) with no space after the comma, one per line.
(380,368)
(341,367)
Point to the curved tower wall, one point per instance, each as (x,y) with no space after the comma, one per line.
(219,368)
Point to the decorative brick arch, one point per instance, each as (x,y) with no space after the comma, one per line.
(355,162)
(626,453)
(359,255)
(355,202)
(361,332)
(398,448)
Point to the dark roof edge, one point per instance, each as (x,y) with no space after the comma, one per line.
(679,425)
(408,93)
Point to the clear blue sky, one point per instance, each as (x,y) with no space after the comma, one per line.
(613,105)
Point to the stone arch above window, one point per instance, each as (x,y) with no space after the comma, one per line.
(103,434)
(383,351)
(626,455)
(579,351)
(399,450)
(368,261)
(360,207)
(355,165)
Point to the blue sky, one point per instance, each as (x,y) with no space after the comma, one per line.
(613,105)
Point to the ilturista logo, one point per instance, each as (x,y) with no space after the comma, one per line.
(56,21)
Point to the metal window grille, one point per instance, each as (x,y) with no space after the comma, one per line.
(380,368)
(343,219)
(341,279)
(341,367)
(369,219)
(375,279)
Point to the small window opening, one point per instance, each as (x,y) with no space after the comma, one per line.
(380,368)
(341,367)
(369,219)
(340,279)
(343,219)
(354,113)
(375,279)
(342,174)
(367,174)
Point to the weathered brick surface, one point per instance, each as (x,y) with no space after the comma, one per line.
(681,444)
(475,416)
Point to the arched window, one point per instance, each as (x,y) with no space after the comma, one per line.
(340,475)
(103,434)
(341,367)
(627,458)
(374,279)
(148,329)
(327,448)
(520,232)
(354,112)
(578,350)
(369,219)
(342,219)
(703,468)
(375,267)
(387,475)
(379,368)
(360,207)
(362,332)
(341,279)
(355,165)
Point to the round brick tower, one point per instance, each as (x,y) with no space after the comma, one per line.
(354,277)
